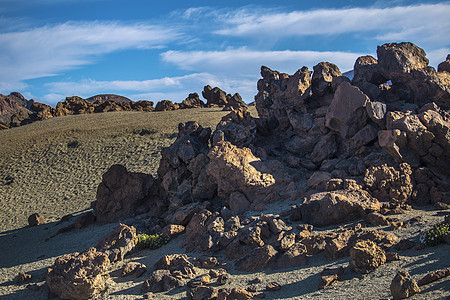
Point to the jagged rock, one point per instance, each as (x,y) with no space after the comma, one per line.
(235,294)
(325,148)
(78,275)
(133,268)
(43,111)
(295,256)
(238,127)
(173,230)
(165,105)
(366,256)
(121,240)
(184,214)
(433,276)
(319,180)
(235,102)
(208,262)
(257,260)
(161,281)
(329,208)
(392,256)
(177,263)
(347,112)
(251,235)
(202,293)
(322,78)
(377,112)
(121,193)
(14,104)
(233,170)
(389,183)
(445,65)
(238,203)
(366,70)
(214,96)
(199,281)
(74,106)
(192,101)
(143,105)
(35,219)
(376,219)
(223,279)
(403,286)
(397,59)
(330,275)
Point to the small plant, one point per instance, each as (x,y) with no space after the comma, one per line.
(151,241)
(435,235)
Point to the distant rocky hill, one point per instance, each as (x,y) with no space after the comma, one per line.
(14,103)
(110,97)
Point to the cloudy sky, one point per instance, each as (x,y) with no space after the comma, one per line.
(155,50)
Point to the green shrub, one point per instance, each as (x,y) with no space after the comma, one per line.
(435,235)
(151,241)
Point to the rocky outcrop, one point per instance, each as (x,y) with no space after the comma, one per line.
(403,286)
(329,208)
(121,240)
(78,275)
(366,256)
(109,97)
(214,96)
(121,193)
(192,101)
(165,105)
(13,104)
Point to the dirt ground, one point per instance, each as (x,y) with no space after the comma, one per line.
(56,165)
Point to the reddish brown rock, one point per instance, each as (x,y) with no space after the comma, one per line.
(376,219)
(202,293)
(329,208)
(78,275)
(403,286)
(165,105)
(160,281)
(120,194)
(235,294)
(121,240)
(177,263)
(133,268)
(257,260)
(366,256)
(330,275)
(295,256)
(192,101)
(433,276)
(173,230)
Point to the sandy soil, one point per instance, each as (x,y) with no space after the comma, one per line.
(54,179)
(57,164)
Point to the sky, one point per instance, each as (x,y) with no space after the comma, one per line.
(155,50)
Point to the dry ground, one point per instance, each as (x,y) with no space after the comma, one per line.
(57,164)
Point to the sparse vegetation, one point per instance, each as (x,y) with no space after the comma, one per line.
(151,241)
(435,235)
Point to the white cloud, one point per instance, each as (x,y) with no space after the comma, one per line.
(49,50)
(243,61)
(428,23)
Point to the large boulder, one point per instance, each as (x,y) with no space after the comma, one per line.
(323,75)
(366,256)
(73,106)
(214,96)
(192,101)
(233,169)
(235,102)
(161,281)
(366,70)
(238,127)
(257,260)
(165,105)
(347,112)
(43,111)
(403,285)
(330,208)
(143,105)
(121,192)
(13,104)
(445,65)
(78,275)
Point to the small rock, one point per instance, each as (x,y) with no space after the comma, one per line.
(255,281)
(403,286)
(23,277)
(404,244)
(208,262)
(442,206)
(273,286)
(433,276)
(173,230)
(234,293)
(160,281)
(35,220)
(330,275)
(376,219)
(133,268)
(214,273)
(392,256)
(201,293)
(199,281)
(148,295)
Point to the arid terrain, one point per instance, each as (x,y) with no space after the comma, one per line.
(54,167)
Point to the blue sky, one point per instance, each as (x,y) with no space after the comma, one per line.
(154,50)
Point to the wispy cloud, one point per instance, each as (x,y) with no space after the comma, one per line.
(243,61)
(49,50)
(421,23)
